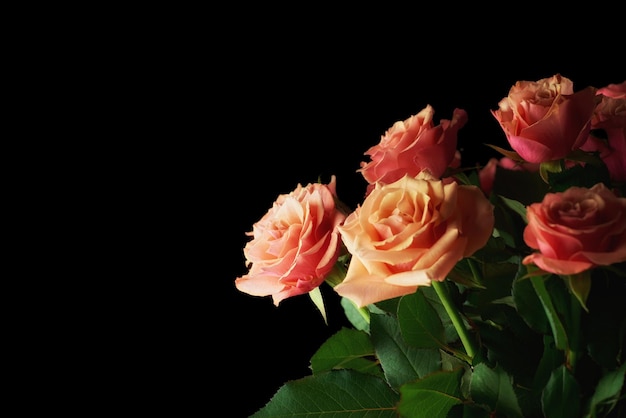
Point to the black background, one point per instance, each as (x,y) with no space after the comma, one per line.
(299,103)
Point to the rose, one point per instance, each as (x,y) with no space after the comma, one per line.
(611,150)
(409,233)
(545,120)
(610,116)
(295,244)
(576,230)
(614,91)
(414,145)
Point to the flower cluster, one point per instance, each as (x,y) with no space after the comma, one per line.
(487,291)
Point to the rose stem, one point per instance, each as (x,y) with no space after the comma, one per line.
(454,315)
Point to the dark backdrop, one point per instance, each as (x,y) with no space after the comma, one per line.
(297,112)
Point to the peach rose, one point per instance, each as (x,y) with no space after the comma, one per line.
(576,230)
(610,116)
(412,146)
(545,120)
(411,232)
(295,244)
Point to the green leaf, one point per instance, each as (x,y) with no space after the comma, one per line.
(419,322)
(451,335)
(318,301)
(607,392)
(551,359)
(358,317)
(432,396)
(347,349)
(450,362)
(509,225)
(388,305)
(340,393)
(463,178)
(548,167)
(580,286)
(515,206)
(509,342)
(580,176)
(463,275)
(529,306)
(495,250)
(497,279)
(558,330)
(494,388)
(561,396)
(400,361)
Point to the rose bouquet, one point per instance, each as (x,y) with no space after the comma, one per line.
(489,291)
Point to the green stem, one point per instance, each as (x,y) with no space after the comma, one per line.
(455,317)
(579,286)
(558,330)
(574,348)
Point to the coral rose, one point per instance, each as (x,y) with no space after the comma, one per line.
(576,230)
(614,91)
(414,145)
(545,120)
(610,116)
(295,244)
(409,233)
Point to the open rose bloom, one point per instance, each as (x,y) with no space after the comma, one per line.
(295,245)
(576,230)
(409,233)
(545,120)
(414,145)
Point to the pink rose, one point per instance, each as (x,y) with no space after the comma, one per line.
(576,230)
(615,91)
(295,245)
(411,232)
(412,146)
(545,120)
(610,116)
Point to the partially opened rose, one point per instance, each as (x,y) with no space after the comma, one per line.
(576,230)
(614,91)
(410,232)
(545,120)
(610,117)
(414,145)
(295,244)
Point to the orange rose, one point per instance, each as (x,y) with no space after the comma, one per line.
(411,232)
(576,230)
(545,120)
(295,245)
(412,146)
